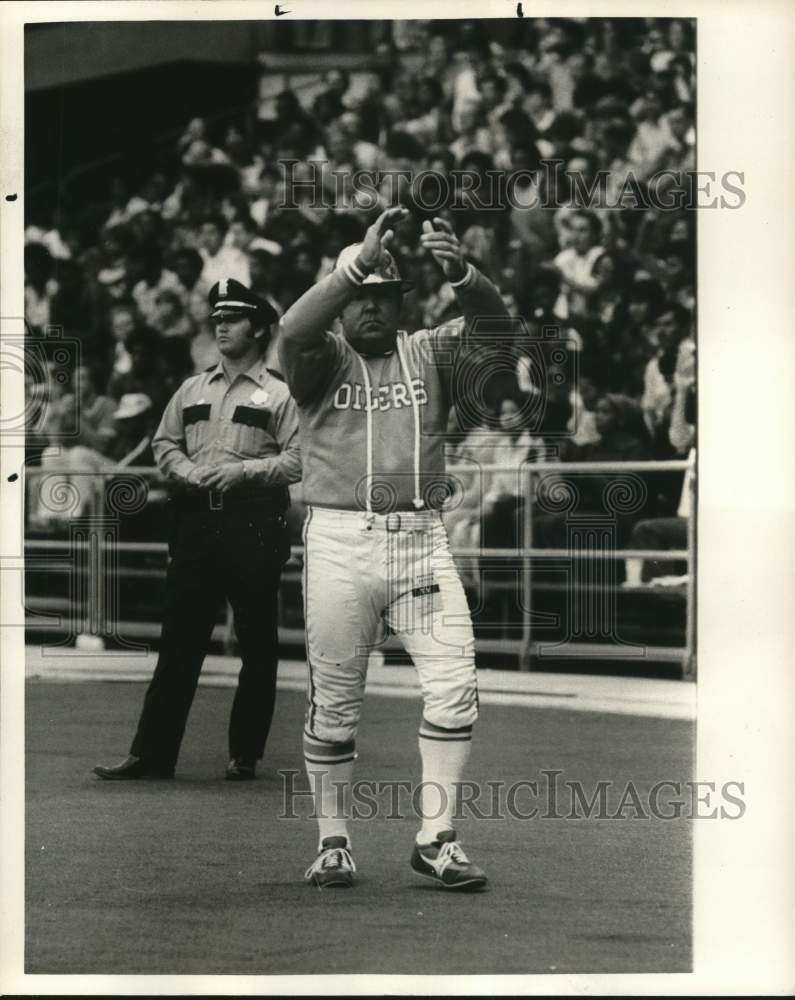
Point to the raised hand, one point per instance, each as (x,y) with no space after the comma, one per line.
(380,235)
(439,238)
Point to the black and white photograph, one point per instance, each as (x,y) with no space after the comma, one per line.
(365,609)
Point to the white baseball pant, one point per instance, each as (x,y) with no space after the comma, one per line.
(363,572)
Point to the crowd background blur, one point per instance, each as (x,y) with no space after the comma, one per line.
(127,272)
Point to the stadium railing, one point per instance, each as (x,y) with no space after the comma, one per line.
(90,507)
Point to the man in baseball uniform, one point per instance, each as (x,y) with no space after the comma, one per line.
(373,404)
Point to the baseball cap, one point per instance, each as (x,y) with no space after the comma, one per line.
(386,273)
(231,296)
(132,404)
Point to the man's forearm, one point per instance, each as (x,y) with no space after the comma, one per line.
(173,463)
(478,296)
(276,470)
(312,314)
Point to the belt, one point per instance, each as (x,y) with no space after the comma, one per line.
(216,502)
(392,522)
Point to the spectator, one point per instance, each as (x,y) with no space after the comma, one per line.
(188,265)
(622,438)
(329,103)
(400,100)
(493,88)
(265,193)
(538,104)
(365,155)
(155,279)
(575,264)
(504,493)
(428,125)
(582,425)
(679,152)
(95,428)
(220,261)
(145,374)
(670,532)
(135,427)
(170,318)
(650,139)
(670,330)
(473,132)
(81,431)
(123,321)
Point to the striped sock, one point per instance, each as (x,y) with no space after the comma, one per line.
(329,767)
(444,753)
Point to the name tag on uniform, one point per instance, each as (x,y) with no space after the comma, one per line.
(251,416)
(193,414)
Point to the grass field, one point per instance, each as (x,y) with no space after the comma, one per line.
(199,875)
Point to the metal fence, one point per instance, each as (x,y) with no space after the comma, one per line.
(91,509)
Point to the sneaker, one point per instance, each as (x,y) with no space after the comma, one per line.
(444,862)
(333,868)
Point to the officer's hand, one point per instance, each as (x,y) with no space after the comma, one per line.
(439,238)
(224,477)
(198,473)
(380,235)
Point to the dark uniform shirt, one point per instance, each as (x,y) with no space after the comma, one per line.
(210,420)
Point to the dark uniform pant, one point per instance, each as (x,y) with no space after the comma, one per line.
(238,555)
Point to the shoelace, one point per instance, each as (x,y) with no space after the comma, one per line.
(333,857)
(451,851)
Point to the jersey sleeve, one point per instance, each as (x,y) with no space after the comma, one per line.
(309,366)
(441,347)
(446,339)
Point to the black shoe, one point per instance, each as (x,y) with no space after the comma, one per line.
(241,769)
(444,862)
(132,768)
(333,868)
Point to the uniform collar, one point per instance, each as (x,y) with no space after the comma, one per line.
(257,372)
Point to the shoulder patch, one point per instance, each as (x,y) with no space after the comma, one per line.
(275,374)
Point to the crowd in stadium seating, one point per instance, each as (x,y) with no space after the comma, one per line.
(618,282)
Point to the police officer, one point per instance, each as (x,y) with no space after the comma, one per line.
(228,444)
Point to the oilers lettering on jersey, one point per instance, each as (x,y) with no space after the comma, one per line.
(394,394)
(372,427)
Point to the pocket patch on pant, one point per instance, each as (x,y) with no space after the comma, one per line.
(427,595)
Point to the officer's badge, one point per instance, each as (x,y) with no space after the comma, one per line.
(259,397)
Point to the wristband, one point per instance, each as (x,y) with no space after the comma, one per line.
(468,278)
(356,271)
